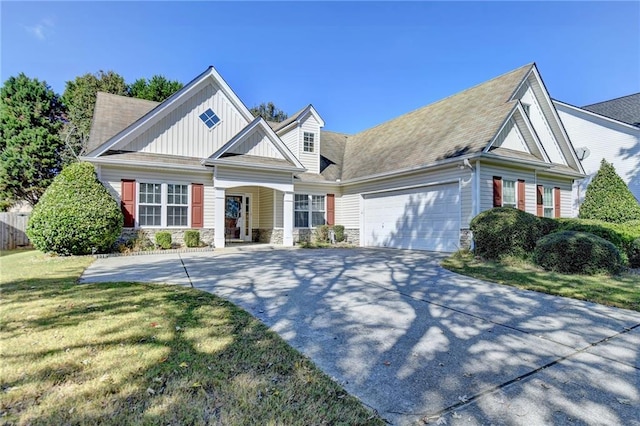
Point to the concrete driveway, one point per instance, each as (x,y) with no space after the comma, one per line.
(418,343)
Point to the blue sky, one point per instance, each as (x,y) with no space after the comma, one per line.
(359,63)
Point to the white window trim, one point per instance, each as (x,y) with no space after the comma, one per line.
(205,124)
(313,142)
(553,202)
(515,193)
(310,211)
(163,209)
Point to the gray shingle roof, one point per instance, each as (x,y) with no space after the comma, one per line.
(332,154)
(625,109)
(460,124)
(112,114)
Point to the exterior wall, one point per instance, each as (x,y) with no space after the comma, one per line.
(243,177)
(488,171)
(311,160)
(181,132)
(616,143)
(177,235)
(258,144)
(290,139)
(278,211)
(111,177)
(511,138)
(266,208)
(351,208)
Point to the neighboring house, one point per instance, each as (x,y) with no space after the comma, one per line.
(201,160)
(609,130)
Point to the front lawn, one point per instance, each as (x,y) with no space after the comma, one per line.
(127,353)
(622,290)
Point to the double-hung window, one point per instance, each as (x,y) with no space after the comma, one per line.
(309,210)
(163,205)
(177,205)
(308,142)
(547,202)
(150,204)
(509,193)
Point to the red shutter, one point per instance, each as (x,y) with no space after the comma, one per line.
(521,196)
(539,200)
(556,202)
(197,205)
(497,191)
(128,203)
(331,209)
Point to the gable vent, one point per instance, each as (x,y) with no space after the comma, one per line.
(210,118)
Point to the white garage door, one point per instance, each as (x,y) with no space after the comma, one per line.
(425,218)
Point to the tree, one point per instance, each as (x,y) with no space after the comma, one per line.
(157,89)
(269,112)
(608,198)
(30,144)
(76,214)
(79,97)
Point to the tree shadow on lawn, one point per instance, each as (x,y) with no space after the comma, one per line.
(122,353)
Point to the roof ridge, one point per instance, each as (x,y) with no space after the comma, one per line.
(610,100)
(529,65)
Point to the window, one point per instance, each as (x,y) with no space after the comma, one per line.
(209,118)
(163,205)
(177,205)
(150,203)
(308,142)
(309,210)
(547,202)
(509,193)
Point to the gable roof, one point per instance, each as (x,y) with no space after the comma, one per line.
(113,113)
(461,124)
(165,107)
(625,109)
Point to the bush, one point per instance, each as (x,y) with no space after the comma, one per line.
(192,238)
(634,253)
(322,233)
(608,198)
(339,230)
(622,235)
(76,214)
(506,231)
(163,240)
(572,252)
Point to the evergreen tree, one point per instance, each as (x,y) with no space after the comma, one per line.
(269,112)
(608,198)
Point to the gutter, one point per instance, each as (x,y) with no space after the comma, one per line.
(208,162)
(146,164)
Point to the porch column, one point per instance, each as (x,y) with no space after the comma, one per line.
(218,239)
(287,213)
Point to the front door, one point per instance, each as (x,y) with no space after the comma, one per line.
(237,220)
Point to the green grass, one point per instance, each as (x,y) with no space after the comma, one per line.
(621,290)
(127,353)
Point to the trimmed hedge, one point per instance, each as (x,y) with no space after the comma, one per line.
(505,231)
(76,215)
(622,235)
(163,240)
(572,252)
(608,198)
(339,230)
(192,238)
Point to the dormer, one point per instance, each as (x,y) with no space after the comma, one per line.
(301,134)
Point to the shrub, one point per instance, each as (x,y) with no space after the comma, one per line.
(505,231)
(76,214)
(140,242)
(572,252)
(622,235)
(322,233)
(163,240)
(634,253)
(608,198)
(339,230)
(192,238)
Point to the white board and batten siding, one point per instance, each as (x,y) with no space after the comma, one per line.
(291,140)
(420,211)
(182,132)
(258,144)
(112,177)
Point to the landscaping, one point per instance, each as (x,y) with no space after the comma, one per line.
(129,353)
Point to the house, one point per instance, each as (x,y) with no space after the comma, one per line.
(609,130)
(201,160)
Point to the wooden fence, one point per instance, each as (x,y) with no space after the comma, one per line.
(13,228)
